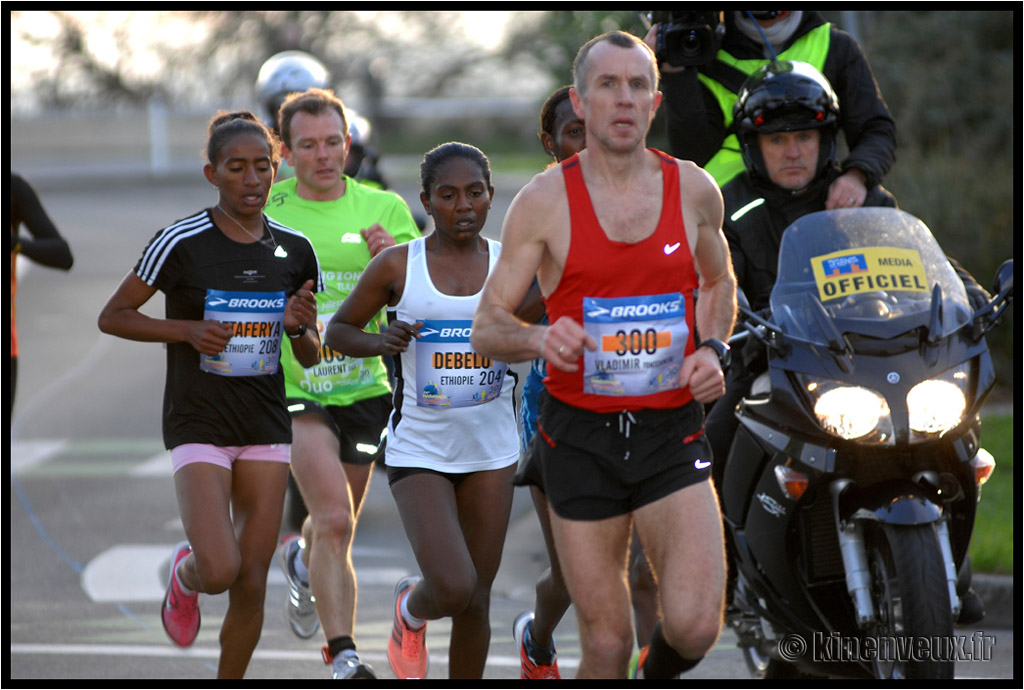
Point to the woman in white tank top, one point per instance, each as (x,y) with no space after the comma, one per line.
(452,441)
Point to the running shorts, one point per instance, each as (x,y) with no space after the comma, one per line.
(361,427)
(597,466)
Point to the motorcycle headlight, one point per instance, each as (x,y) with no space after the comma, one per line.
(937,405)
(852,412)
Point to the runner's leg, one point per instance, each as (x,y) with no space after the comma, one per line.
(593,558)
(682,537)
(484,502)
(552,595)
(330,527)
(258,490)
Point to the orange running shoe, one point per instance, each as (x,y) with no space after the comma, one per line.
(530,669)
(407,648)
(636,667)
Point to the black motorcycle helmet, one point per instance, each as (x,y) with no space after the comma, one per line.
(785,96)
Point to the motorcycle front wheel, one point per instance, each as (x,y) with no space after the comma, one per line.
(763,667)
(912,636)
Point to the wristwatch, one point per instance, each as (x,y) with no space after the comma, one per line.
(299,333)
(723,351)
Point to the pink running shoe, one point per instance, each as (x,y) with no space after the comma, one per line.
(180,611)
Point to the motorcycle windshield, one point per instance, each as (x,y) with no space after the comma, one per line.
(873,270)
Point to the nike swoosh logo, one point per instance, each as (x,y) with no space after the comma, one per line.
(701,464)
(669,248)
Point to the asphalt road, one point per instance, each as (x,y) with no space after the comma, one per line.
(92,509)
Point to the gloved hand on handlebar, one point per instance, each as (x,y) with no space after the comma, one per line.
(976,295)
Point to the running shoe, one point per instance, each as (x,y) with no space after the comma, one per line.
(530,669)
(407,648)
(636,664)
(180,612)
(348,667)
(299,610)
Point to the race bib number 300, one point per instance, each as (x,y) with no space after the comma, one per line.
(258,321)
(449,373)
(640,344)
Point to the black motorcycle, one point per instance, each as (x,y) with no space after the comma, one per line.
(850,489)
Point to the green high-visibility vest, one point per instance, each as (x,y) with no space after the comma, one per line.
(811,48)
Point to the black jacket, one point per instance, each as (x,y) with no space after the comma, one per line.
(696,124)
(755,236)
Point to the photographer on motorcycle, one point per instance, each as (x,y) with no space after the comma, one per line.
(702,83)
(786,117)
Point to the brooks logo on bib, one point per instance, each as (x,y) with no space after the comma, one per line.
(448,372)
(257,319)
(640,344)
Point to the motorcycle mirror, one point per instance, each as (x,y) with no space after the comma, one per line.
(987,318)
(838,345)
(1004,278)
(935,319)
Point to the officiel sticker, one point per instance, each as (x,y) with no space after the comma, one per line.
(258,322)
(868,269)
(641,341)
(449,373)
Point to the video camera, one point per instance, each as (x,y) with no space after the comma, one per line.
(687,39)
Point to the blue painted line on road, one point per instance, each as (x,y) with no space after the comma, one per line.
(45,536)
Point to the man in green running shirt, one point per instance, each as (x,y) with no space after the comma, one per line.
(339,407)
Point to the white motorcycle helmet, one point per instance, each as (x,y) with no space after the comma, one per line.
(358,128)
(288,72)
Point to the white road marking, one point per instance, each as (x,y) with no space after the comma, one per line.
(127,572)
(214,653)
(27,454)
(157,466)
(138,572)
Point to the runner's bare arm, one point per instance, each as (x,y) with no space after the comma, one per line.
(121,317)
(530,231)
(716,302)
(716,307)
(381,284)
(497,332)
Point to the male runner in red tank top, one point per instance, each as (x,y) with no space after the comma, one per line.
(619,238)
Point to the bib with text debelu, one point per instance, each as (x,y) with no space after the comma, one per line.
(257,319)
(640,340)
(449,373)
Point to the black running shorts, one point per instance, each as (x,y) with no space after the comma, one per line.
(360,427)
(528,471)
(597,466)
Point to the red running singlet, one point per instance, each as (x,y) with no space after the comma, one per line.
(636,279)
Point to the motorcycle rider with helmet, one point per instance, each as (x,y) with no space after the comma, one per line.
(290,71)
(786,116)
(699,99)
(295,71)
(361,164)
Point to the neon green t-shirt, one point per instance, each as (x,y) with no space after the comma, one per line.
(334,229)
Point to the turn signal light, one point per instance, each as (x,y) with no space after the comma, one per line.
(983,464)
(792,482)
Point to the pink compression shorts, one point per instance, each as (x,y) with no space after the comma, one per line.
(225,456)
